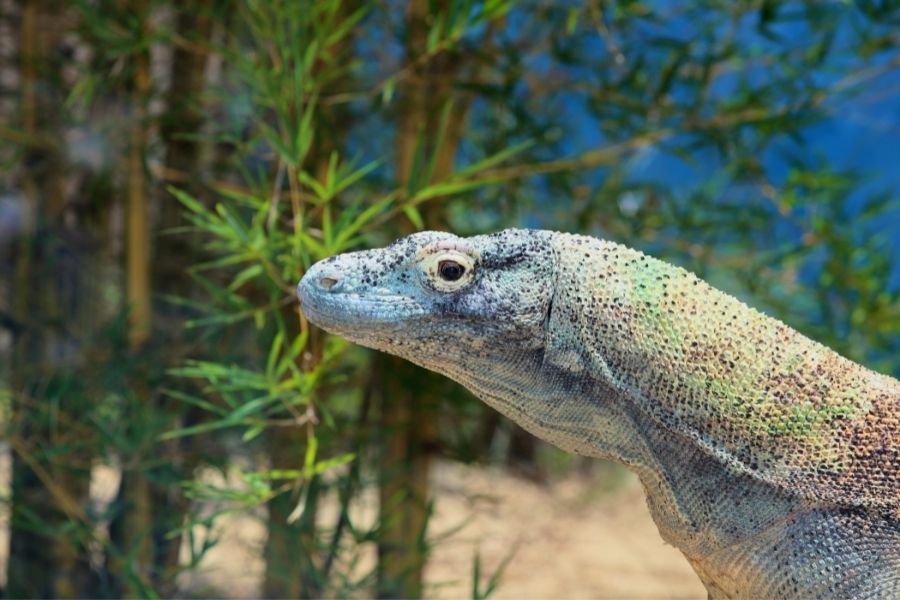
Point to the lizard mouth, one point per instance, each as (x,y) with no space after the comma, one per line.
(354,315)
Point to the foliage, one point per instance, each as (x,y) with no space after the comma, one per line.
(690,129)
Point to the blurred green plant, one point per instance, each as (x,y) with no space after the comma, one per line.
(303,201)
(264,136)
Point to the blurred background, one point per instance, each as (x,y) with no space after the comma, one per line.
(171,426)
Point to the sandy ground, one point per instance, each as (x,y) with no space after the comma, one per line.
(568,539)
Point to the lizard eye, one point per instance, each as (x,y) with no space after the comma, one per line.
(450,270)
(447,270)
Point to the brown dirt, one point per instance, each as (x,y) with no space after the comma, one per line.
(568,539)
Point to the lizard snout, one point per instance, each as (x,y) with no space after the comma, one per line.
(322,278)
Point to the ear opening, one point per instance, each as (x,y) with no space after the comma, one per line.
(561,337)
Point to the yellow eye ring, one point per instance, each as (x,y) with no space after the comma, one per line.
(448,270)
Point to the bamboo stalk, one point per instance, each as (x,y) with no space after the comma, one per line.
(132,530)
(183,117)
(137,225)
(407,416)
(43,490)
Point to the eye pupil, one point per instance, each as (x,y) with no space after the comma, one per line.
(450,271)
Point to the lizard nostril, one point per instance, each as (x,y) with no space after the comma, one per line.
(326,283)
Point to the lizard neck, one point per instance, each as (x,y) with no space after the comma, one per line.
(685,486)
(742,536)
(692,495)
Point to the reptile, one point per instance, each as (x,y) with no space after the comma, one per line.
(770,461)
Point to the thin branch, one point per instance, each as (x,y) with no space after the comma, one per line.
(590,159)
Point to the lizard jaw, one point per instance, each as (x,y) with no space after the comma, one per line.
(329,302)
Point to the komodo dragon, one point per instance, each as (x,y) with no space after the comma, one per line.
(770,461)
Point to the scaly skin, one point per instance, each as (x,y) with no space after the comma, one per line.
(770,461)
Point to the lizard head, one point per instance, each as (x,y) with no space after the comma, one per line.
(435,298)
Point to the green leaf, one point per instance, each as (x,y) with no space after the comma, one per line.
(194,401)
(234,221)
(187,200)
(306,129)
(245,275)
(252,408)
(416,180)
(274,351)
(571,21)
(494,159)
(312,183)
(286,153)
(312,448)
(252,433)
(324,466)
(331,173)
(275,474)
(198,429)
(341,30)
(327,234)
(387,92)
(447,188)
(438,141)
(355,176)
(414,216)
(492,9)
(363,218)
(435,33)
(287,361)
(317,248)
